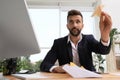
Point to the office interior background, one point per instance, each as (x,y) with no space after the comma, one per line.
(49,22)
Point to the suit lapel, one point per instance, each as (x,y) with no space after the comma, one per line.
(70,51)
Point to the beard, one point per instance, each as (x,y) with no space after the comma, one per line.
(74,31)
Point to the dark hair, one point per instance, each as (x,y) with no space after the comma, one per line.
(74,12)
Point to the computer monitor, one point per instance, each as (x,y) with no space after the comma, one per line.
(17,37)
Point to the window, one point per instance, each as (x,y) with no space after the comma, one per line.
(50,24)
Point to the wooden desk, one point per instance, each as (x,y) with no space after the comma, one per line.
(58,76)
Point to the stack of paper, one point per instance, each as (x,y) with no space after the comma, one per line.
(77,72)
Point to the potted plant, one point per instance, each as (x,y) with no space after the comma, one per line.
(98,58)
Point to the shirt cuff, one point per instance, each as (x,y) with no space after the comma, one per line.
(105,44)
(51,69)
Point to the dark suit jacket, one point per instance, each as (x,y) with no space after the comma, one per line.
(62,51)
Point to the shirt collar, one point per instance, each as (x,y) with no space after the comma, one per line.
(69,40)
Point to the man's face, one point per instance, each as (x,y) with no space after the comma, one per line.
(75,25)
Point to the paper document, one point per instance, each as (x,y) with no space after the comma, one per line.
(77,72)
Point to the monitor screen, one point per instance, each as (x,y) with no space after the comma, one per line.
(17,37)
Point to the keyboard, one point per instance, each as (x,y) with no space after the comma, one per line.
(3,78)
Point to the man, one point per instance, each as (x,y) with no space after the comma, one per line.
(77,47)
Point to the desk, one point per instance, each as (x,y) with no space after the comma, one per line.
(65,76)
